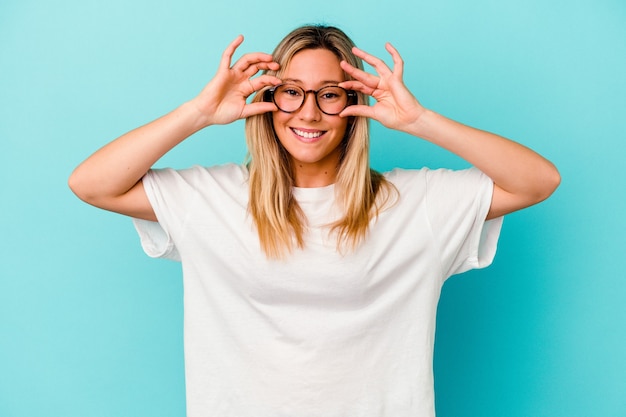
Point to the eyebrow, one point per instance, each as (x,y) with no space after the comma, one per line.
(296,81)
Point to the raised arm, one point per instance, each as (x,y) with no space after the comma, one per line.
(111,177)
(521,176)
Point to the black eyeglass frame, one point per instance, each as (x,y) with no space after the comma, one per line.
(268,95)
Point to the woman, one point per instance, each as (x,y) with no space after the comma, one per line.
(310,281)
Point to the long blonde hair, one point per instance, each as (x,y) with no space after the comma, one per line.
(360,191)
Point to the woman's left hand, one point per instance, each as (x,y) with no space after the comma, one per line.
(395,106)
(521,176)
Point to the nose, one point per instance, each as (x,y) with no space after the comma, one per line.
(309,110)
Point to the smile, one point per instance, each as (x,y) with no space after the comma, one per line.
(308,135)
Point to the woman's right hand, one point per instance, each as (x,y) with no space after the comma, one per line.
(223,100)
(111,177)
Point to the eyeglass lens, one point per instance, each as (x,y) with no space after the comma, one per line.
(330,100)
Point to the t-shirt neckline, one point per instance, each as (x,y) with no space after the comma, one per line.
(314,194)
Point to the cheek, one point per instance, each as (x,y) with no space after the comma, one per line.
(343,126)
(280,117)
(279,123)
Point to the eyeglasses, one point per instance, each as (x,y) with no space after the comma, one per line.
(330,100)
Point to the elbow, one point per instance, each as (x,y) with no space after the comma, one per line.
(556,179)
(550,181)
(80,186)
(74,183)
(542,183)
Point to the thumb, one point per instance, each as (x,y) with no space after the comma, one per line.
(253,109)
(358,110)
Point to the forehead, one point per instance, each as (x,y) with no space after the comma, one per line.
(314,66)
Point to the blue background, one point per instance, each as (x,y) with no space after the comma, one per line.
(91,327)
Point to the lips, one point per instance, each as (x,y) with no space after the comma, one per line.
(308,134)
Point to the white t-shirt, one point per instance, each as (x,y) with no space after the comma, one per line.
(319,334)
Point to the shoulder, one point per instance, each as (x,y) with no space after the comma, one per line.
(433,177)
(407,179)
(180,191)
(403,174)
(442,184)
(199,175)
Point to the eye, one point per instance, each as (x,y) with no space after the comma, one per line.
(331,94)
(289,91)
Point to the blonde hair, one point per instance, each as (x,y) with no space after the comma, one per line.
(360,191)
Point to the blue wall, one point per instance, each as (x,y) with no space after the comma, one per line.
(90,327)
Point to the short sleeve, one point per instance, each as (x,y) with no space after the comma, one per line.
(155,241)
(170,193)
(458,203)
(177,196)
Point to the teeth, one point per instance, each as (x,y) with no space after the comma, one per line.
(308,135)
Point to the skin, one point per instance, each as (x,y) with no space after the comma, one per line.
(111,177)
(315,159)
(521,176)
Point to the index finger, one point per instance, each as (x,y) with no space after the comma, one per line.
(358,74)
(228,53)
(398,63)
(254,61)
(378,64)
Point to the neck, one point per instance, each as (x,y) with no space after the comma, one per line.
(314,180)
(313,175)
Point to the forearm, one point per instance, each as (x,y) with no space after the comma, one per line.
(117,167)
(514,168)
(521,176)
